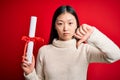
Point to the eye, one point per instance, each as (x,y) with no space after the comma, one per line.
(70,23)
(59,23)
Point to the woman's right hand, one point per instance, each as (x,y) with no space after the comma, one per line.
(28,67)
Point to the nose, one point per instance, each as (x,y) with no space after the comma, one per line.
(65,27)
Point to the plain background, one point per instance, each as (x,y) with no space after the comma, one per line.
(14,23)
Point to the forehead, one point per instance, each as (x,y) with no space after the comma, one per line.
(66,16)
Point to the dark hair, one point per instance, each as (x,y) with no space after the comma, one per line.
(59,11)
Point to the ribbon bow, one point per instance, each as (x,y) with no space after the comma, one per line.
(28,39)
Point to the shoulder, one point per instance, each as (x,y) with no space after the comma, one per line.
(42,52)
(44,48)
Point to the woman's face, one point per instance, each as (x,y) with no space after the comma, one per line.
(65,25)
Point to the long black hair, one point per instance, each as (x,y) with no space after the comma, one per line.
(59,11)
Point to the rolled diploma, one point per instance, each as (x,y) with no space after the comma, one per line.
(31,34)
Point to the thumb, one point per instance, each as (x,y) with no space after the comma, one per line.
(33,60)
(79,42)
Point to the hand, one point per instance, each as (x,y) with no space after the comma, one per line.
(83,33)
(27,67)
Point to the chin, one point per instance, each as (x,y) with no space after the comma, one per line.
(66,39)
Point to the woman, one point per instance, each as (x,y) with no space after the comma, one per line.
(67,55)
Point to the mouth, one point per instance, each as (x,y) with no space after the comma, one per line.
(66,33)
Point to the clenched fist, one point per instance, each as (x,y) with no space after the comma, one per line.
(83,33)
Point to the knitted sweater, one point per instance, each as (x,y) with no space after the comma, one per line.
(61,60)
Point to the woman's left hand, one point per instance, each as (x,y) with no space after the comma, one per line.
(83,33)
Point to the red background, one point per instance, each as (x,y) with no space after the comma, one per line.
(14,23)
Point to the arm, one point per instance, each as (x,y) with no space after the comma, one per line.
(31,76)
(101,48)
(106,49)
(39,65)
(29,70)
(36,74)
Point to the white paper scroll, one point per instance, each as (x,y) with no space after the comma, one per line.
(31,34)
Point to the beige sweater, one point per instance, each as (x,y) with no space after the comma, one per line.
(63,61)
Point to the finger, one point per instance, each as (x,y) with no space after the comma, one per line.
(24,65)
(33,59)
(79,42)
(84,27)
(78,33)
(82,30)
(26,62)
(77,36)
(24,58)
(88,27)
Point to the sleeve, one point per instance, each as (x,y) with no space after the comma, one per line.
(39,64)
(37,73)
(31,76)
(101,48)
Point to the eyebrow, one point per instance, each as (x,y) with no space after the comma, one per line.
(63,21)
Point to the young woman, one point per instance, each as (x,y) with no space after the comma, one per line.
(70,50)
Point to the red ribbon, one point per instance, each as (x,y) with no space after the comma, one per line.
(28,39)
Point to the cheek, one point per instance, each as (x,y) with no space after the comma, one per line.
(56,27)
(74,29)
(59,31)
